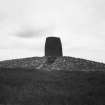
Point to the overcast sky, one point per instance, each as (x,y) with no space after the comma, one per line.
(25,24)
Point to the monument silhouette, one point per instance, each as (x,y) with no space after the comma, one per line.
(53,48)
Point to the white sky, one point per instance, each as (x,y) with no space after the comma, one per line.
(24,25)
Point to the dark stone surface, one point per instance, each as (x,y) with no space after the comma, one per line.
(50,59)
(53,46)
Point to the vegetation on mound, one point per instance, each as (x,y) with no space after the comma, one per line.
(40,87)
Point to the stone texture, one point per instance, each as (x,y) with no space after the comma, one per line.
(60,63)
(53,46)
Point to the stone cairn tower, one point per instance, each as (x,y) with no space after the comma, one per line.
(53,49)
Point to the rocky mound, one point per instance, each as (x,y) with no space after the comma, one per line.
(53,63)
